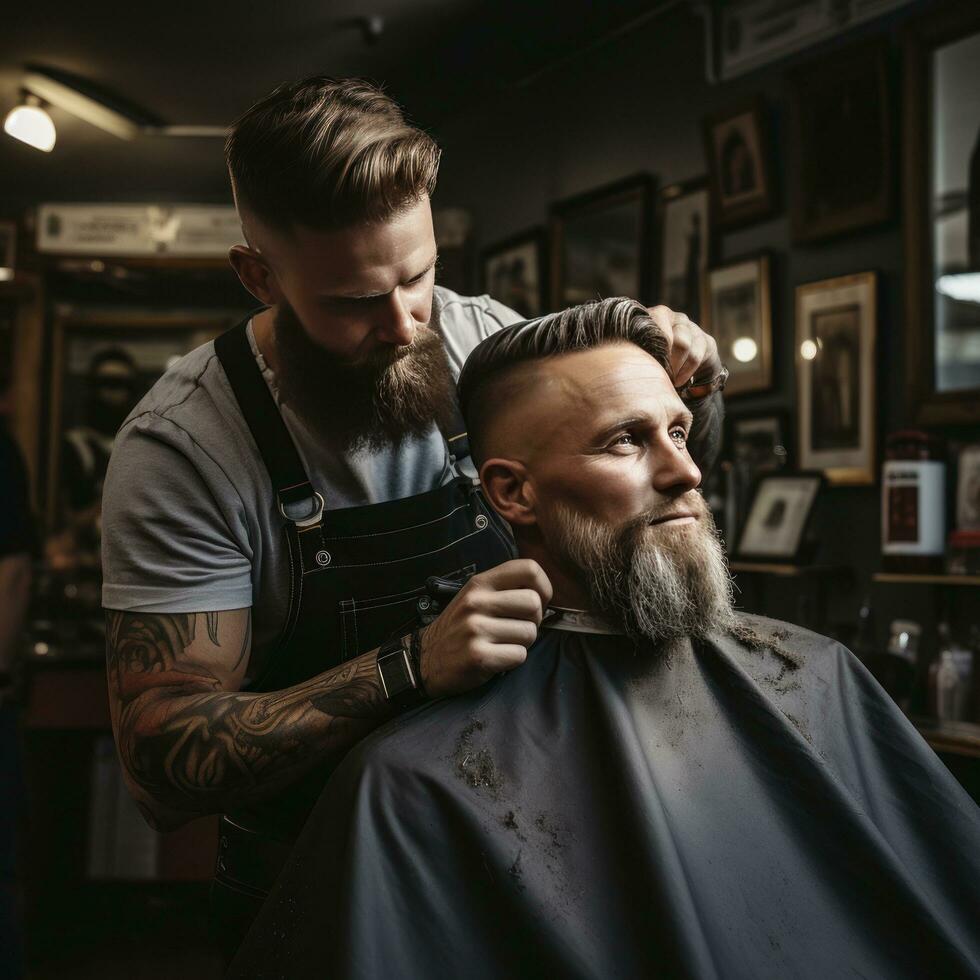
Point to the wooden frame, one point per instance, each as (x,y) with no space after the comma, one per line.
(729,279)
(845,304)
(841,102)
(521,246)
(745,124)
(637,191)
(677,202)
(69,322)
(27,393)
(928,406)
(762,521)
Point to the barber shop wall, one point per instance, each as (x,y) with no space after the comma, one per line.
(635,103)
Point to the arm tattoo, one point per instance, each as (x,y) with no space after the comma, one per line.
(191,746)
(212,618)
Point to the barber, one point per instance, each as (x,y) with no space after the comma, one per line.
(275,505)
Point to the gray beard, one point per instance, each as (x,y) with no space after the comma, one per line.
(658,583)
(376,403)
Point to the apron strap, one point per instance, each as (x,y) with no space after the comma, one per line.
(454,432)
(276,446)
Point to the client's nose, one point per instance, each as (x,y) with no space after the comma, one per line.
(674,471)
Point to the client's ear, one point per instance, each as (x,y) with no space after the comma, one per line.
(507,488)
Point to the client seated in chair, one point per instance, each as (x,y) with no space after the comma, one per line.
(665,787)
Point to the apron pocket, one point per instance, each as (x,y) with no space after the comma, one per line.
(366,623)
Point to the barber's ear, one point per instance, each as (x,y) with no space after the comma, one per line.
(509,491)
(255,275)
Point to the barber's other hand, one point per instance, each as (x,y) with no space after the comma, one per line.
(486,629)
(693,354)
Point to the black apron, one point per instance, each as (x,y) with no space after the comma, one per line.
(356,576)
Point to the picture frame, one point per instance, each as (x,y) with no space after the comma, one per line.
(941,212)
(8,249)
(844,101)
(601,243)
(779,518)
(761,439)
(968,488)
(515,272)
(736,309)
(836,325)
(149,340)
(686,248)
(739,172)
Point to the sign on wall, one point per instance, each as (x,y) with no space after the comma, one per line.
(134,230)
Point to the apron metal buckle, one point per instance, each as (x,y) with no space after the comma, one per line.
(313,518)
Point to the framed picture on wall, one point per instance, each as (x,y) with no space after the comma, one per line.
(514,272)
(737,151)
(8,249)
(835,370)
(102,364)
(685,252)
(779,515)
(837,104)
(941,69)
(600,243)
(736,311)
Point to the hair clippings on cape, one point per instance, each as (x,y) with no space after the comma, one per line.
(697,388)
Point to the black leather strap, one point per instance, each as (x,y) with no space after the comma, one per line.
(261,413)
(455,433)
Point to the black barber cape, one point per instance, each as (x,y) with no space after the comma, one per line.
(731,810)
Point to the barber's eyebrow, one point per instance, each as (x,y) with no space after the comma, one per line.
(684,417)
(407,282)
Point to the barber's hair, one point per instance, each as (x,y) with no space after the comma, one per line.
(483,380)
(327,153)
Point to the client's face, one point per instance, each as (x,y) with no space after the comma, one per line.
(616,500)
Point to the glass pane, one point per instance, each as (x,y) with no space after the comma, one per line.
(955,203)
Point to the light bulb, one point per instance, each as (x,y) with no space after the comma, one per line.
(808,350)
(30,124)
(745,349)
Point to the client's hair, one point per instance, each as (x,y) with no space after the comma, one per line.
(489,370)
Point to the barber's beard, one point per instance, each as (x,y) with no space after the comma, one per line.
(656,582)
(374,403)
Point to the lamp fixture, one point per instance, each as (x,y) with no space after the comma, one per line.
(29,123)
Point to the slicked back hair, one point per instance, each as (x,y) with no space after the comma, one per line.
(483,380)
(327,153)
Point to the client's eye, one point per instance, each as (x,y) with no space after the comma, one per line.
(679,435)
(626,435)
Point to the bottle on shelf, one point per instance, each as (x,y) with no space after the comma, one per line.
(951,679)
(913,503)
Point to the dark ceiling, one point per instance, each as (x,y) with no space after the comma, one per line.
(203,63)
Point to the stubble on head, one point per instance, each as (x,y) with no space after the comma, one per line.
(371,404)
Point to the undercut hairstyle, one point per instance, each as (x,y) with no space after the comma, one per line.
(490,376)
(328,153)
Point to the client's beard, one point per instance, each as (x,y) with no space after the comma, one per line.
(377,402)
(657,583)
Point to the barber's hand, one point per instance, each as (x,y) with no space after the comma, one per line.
(487,628)
(693,354)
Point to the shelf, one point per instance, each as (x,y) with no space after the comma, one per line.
(952,737)
(786,571)
(911,578)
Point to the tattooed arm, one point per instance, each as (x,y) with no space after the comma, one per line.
(191,743)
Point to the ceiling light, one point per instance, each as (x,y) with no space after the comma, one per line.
(30,124)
